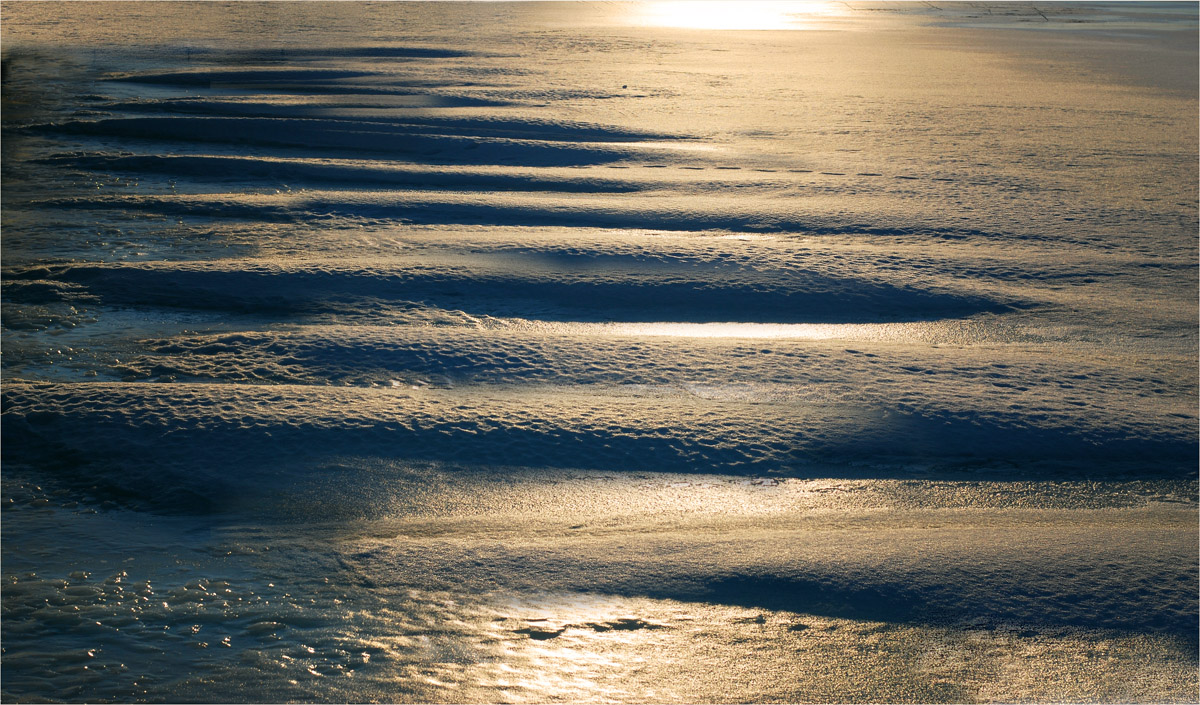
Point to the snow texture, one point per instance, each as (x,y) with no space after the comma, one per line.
(534,352)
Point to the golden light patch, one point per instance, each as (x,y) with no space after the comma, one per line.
(744,15)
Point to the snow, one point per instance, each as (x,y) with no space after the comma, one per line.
(517,352)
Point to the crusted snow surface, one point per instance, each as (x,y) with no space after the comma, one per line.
(532,352)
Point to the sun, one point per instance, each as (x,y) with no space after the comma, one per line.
(734,14)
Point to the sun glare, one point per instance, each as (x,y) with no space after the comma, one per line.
(737,14)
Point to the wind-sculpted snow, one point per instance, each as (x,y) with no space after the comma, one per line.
(629,292)
(660,211)
(217,428)
(537,352)
(1073,392)
(221,168)
(920,575)
(341,136)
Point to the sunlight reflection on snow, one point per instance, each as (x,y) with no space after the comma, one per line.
(746,14)
(806,331)
(945,331)
(667,145)
(576,646)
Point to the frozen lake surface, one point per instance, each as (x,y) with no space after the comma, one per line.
(601,352)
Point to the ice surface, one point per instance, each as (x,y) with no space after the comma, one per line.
(485,352)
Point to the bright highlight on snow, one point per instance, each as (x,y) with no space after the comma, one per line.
(725,14)
(809,331)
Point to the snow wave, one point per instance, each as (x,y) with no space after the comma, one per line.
(641,294)
(203,442)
